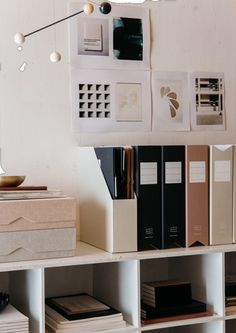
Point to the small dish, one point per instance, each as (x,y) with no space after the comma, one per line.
(4,300)
(11,181)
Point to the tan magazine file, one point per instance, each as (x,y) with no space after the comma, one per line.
(234,194)
(221,194)
(197,195)
(37,214)
(105,223)
(37,244)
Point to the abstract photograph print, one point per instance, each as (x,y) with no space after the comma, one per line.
(207,104)
(128,38)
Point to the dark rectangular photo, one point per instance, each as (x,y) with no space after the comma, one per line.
(128,38)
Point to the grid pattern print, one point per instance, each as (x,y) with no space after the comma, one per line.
(94,100)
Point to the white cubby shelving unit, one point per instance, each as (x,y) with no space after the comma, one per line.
(116,280)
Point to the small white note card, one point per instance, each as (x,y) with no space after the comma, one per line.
(173,172)
(197,172)
(148,173)
(222,171)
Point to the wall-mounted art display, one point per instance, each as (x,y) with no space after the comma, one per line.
(170,101)
(207,101)
(121,39)
(111,100)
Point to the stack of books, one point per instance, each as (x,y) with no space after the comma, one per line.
(13,321)
(169,300)
(230,295)
(81,313)
(29,192)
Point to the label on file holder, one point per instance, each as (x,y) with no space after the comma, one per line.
(148,173)
(173,172)
(197,172)
(222,171)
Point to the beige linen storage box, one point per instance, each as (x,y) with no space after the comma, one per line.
(35,214)
(37,228)
(37,244)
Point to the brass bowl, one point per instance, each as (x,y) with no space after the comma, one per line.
(11,181)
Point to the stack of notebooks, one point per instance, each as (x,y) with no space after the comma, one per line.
(29,192)
(13,321)
(81,313)
(36,223)
(169,300)
(230,295)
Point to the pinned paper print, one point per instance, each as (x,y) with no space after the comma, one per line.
(172,98)
(170,101)
(207,101)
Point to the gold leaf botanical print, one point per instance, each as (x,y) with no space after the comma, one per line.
(162,91)
(172,98)
(172,112)
(175,103)
(167,90)
(172,95)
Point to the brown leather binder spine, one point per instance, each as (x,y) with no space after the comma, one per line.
(197,195)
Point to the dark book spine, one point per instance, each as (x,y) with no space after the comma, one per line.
(230,289)
(148,312)
(169,295)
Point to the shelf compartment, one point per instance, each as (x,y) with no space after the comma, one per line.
(115,284)
(200,270)
(26,290)
(230,275)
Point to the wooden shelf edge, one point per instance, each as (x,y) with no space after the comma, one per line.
(183,322)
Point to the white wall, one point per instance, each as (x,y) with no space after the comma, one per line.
(35,134)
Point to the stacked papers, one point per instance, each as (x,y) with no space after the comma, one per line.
(11,320)
(31,194)
(97,318)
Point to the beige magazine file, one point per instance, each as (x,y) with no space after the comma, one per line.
(105,223)
(221,194)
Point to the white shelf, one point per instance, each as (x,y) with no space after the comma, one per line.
(116,280)
(88,254)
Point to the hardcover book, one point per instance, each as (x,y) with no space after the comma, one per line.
(129,172)
(166,293)
(148,312)
(112,163)
(80,306)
